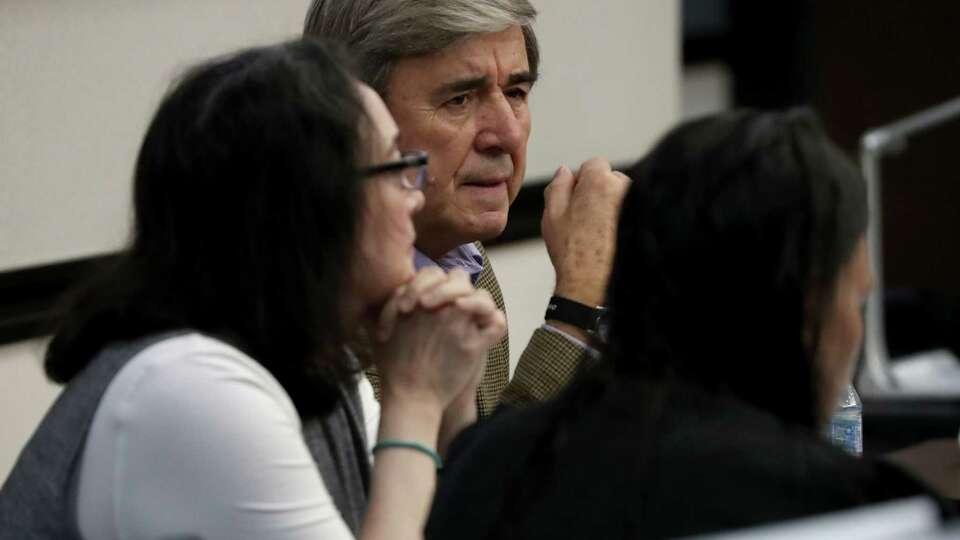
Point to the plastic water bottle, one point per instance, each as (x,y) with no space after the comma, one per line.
(845,428)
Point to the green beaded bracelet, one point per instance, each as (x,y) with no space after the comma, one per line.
(411,445)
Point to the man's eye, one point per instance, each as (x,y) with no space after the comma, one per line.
(517,93)
(457,101)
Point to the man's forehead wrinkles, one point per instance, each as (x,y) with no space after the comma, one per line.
(463,85)
(472,66)
(483,55)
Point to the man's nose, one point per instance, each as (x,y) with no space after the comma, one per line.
(500,130)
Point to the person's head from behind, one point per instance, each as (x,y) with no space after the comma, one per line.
(741,263)
(456,76)
(254,221)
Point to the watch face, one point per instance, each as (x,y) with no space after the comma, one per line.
(602,326)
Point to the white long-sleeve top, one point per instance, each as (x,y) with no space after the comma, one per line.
(194,438)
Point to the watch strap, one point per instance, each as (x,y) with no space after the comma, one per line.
(574,313)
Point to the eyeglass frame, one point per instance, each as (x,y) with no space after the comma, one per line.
(416,159)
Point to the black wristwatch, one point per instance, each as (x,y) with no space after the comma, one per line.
(593,320)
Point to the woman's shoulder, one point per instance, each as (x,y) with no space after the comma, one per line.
(192,414)
(192,369)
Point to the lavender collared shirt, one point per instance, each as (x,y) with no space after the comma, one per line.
(468,258)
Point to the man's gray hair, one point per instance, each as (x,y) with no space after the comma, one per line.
(380,32)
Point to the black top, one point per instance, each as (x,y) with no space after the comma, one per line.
(632,460)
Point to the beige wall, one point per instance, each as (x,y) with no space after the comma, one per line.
(526,281)
(78,81)
(609,80)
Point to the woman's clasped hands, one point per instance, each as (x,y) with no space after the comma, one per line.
(432,339)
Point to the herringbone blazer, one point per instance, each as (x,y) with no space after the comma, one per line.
(545,367)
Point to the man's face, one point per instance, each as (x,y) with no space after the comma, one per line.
(466,106)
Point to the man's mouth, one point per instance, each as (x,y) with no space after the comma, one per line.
(488,183)
(487,194)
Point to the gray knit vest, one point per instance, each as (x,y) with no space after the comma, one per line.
(38,499)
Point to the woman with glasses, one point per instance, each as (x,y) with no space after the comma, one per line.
(209,393)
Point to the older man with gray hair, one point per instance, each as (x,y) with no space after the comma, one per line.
(457,76)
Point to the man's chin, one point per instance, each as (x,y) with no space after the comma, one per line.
(490,225)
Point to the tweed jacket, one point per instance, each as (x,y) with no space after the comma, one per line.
(545,367)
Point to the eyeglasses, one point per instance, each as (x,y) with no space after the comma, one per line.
(413,165)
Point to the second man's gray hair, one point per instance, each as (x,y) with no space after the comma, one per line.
(380,32)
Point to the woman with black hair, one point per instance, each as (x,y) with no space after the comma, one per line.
(735,295)
(209,390)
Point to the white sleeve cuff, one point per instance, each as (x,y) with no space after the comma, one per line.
(550,328)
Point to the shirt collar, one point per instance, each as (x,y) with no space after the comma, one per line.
(466,257)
